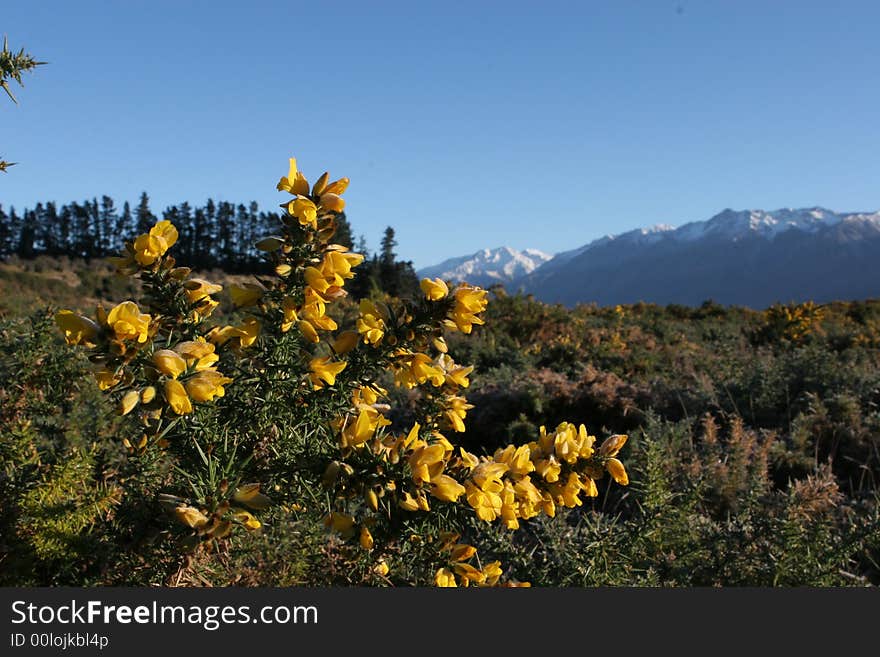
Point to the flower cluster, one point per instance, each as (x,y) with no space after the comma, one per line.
(286,347)
(141,358)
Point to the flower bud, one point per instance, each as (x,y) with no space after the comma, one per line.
(269,244)
(612,445)
(320,184)
(331,474)
(372,500)
(366,539)
(128,402)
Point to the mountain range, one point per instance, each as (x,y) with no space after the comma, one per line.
(751,257)
(489,266)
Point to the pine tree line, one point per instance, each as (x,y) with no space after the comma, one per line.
(217,235)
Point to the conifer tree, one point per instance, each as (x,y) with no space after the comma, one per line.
(143,216)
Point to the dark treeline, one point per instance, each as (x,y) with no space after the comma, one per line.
(217,235)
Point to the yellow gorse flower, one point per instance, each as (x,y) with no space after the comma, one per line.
(169,362)
(76,328)
(370,324)
(323,370)
(434,289)
(175,395)
(151,246)
(469,301)
(245,295)
(128,322)
(205,385)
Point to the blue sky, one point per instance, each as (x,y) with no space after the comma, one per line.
(463,125)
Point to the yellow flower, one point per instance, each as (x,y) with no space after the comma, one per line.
(338,262)
(308,331)
(294,182)
(467,573)
(248,331)
(305,211)
(517,459)
(169,363)
(165,230)
(571,490)
(175,395)
(198,288)
(190,516)
(590,489)
(381,568)
(469,301)
(444,578)
(337,186)
(615,469)
(320,184)
(198,353)
(332,202)
(245,295)
(456,411)
(492,573)
(128,323)
(76,328)
(486,504)
(426,462)
(370,324)
(434,289)
(247,520)
(459,375)
(468,460)
(548,468)
(445,488)
(206,385)
(148,394)
(250,496)
(322,369)
(461,552)
(361,430)
(151,246)
(413,369)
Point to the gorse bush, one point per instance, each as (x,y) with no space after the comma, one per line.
(283,416)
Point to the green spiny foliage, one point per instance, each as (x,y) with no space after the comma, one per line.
(12,65)
(57,514)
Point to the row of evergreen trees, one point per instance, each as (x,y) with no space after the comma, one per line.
(216,235)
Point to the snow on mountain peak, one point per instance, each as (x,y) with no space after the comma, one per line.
(488,266)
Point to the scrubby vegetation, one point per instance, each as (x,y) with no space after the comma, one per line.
(339,457)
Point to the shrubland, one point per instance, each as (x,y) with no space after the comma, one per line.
(197,428)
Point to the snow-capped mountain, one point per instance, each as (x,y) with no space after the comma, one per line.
(749,257)
(488,267)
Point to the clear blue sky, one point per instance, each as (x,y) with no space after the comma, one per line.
(463,125)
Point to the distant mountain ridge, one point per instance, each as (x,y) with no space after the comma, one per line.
(748,257)
(488,266)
